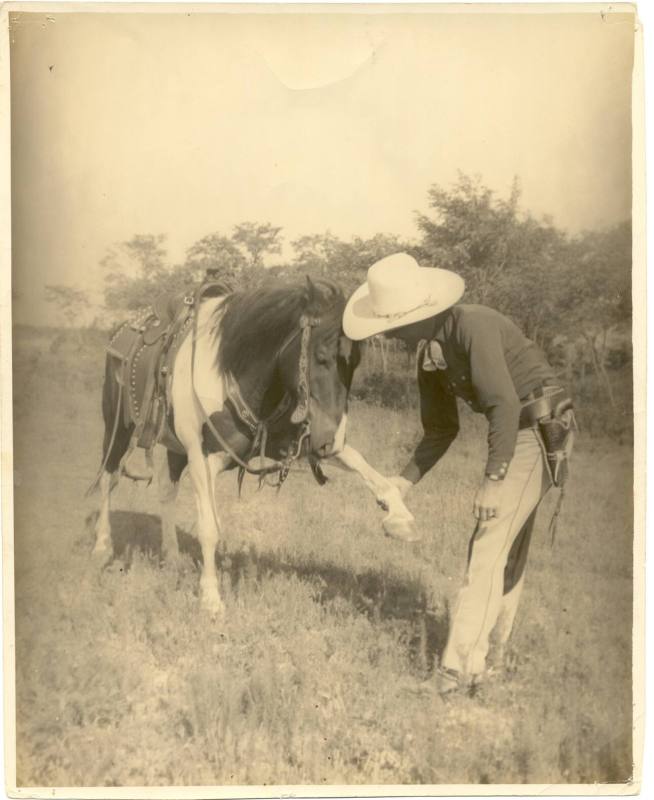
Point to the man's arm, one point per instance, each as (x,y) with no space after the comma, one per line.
(499,401)
(496,395)
(440,422)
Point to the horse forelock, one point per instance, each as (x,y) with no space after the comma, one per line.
(253,324)
(327,303)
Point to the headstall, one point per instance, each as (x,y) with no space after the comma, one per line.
(259,428)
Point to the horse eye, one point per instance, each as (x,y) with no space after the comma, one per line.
(323,356)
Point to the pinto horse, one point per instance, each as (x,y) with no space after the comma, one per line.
(260,373)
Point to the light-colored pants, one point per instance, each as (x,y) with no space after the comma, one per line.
(488,601)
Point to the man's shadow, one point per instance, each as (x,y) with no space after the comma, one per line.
(371,592)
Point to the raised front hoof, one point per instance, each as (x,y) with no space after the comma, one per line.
(401,529)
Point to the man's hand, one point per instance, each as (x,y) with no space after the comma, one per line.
(488,500)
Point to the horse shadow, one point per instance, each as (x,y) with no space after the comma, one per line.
(131,532)
(379,596)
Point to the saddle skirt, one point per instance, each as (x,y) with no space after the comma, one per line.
(145,348)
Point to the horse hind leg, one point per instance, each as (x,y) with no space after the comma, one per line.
(169,472)
(116,442)
(102,546)
(108,482)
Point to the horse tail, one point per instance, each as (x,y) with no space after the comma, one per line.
(108,448)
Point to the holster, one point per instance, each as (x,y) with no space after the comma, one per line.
(552,416)
(557,435)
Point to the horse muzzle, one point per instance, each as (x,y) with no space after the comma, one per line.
(327,435)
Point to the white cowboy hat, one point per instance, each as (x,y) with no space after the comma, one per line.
(399,292)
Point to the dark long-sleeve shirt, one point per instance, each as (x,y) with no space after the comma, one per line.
(491,365)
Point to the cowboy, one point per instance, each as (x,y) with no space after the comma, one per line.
(474,353)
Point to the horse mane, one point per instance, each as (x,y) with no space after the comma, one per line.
(253,324)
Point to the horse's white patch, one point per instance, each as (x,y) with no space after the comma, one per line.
(339,439)
(385,493)
(207,379)
(203,472)
(103,526)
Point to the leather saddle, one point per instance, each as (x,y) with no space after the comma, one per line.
(145,348)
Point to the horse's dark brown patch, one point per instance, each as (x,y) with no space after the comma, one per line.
(253,324)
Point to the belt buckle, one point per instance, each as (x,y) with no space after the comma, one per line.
(544,390)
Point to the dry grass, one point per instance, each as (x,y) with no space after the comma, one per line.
(316,675)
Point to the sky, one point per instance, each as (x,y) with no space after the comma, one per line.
(185,124)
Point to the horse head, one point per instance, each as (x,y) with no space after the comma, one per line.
(318,367)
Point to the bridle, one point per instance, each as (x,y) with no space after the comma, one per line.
(259,428)
(300,415)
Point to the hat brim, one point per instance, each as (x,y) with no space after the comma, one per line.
(361,322)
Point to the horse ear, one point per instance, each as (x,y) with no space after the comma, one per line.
(312,292)
(349,350)
(344,347)
(349,356)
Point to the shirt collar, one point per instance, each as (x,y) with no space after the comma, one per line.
(440,322)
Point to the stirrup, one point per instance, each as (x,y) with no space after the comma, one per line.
(148,475)
(135,476)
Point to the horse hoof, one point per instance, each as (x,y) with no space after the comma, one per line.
(171,557)
(100,552)
(91,522)
(101,558)
(214,607)
(401,529)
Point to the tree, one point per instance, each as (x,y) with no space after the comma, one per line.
(559,290)
(135,271)
(314,252)
(595,299)
(69,301)
(257,240)
(472,232)
(143,253)
(508,259)
(219,254)
(345,262)
(529,288)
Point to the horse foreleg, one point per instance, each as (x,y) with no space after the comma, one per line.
(108,482)
(203,471)
(387,495)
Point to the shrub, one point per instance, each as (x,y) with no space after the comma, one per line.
(387,390)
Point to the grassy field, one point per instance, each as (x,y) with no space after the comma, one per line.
(316,675)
